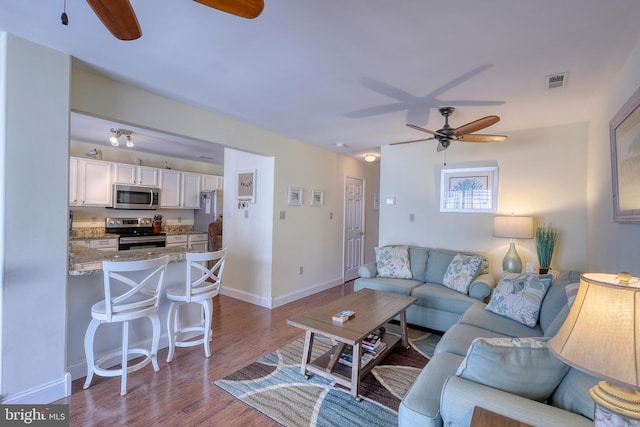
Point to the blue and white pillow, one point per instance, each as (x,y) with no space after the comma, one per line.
(393,262)
(461,271)
(519,296)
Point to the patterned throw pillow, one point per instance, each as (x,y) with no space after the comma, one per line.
(393,262)
(522,366)
(461,271)
(519,296)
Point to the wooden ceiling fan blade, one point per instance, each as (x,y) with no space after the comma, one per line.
(425,130)
(476,125)
(119,18)
(476,137)
(243,8)
(413,140)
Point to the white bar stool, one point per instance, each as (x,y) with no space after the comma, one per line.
(126,297)
(201,285)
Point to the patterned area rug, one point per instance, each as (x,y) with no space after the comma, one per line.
(274,385)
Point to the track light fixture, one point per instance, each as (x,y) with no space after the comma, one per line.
(117,133)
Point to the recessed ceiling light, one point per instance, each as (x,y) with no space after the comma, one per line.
(340,144)
(369,157)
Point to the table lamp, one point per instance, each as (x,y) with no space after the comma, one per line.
(513,227)
(601,336)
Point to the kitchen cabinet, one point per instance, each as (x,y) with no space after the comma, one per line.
(178,241)
(99,244)
(73,181)
(89,182)
(212,182)
(179,189)
(134,174)
(198,242)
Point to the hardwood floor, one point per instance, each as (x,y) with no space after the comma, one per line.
(182,392)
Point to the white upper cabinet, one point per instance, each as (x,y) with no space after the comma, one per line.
(135,175)
(190,190)
(95,182)
(179,189)
(169,188)
(211,182)
(73,181)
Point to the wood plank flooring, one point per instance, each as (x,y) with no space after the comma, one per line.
(182,392)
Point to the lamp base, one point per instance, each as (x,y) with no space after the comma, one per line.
(622,402)
(512,262)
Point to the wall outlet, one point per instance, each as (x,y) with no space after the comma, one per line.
(246,213)
(283,215)
(412,217)
(301,269)
(179,220)
(330,215)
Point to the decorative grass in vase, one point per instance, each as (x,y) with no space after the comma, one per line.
(546,238)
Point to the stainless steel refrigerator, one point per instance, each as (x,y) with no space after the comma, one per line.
(210,210)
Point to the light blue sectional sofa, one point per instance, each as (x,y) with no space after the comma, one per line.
(438,307)
(440,397)
(507,366)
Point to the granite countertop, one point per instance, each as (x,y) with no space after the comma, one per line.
(90,233)
(83,260)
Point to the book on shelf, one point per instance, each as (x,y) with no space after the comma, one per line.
(347,359)
(343,316)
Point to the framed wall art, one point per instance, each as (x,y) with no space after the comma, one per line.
(625,161)
(294,196)
(469,189)
(247,186)
(317,198)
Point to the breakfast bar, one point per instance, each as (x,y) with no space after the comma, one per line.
(86,287)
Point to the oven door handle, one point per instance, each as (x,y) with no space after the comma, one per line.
(142,239)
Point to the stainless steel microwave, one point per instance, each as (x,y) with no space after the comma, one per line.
(135,197)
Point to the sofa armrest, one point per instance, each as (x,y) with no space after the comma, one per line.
(460,396)
(482,286)
(368,270)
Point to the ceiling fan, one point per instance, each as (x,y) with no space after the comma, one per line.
(462,133)
(120,19)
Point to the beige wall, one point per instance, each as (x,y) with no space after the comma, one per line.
(307,237)
(541,173)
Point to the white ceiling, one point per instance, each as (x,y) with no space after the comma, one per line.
(354,71)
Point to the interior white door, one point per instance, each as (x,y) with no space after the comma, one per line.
(353,225)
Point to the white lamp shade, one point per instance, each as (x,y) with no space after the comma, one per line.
(601,334)
(513,227)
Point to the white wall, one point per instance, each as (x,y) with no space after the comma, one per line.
(613,247)
(34,132)
(540,173)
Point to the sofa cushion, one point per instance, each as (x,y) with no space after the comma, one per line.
(461,270)
(439,297)
(459,337)
(418,257)
(556,298)
(572,393)
(398,286)
(476,315)
(421,405)
(522,366)
(393,262)
(519,296)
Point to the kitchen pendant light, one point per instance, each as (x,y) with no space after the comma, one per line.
(117,133)
(129,141)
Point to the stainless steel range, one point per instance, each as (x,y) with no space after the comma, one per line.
(135,233)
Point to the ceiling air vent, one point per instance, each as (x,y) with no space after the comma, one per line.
(556,80)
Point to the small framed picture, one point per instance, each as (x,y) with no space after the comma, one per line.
(247,186)
(294,196)
(317,197)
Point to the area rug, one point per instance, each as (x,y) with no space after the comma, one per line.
(274,385)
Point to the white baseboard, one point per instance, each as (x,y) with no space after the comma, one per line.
(43,394)
(282,300)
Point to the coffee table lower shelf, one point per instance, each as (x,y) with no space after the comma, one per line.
(328,367)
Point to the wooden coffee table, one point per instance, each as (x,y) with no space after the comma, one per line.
(372,310)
